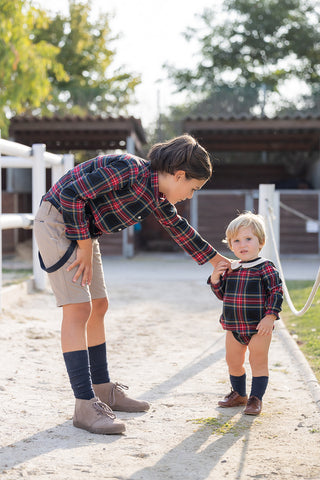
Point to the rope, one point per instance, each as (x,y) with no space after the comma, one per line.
(297,214)
(298,313)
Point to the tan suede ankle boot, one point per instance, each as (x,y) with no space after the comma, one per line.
(113,395)
(96,417)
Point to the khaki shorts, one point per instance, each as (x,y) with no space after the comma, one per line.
(49,230)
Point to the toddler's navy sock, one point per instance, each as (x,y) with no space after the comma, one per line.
(77,364)
(259,386)
(99,364)
(239,384)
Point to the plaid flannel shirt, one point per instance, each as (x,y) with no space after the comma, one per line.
(249,292)
(111,192)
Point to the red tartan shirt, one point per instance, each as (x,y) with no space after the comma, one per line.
(249,292)
(110,193)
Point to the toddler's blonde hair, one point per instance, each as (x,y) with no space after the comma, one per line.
(247,219)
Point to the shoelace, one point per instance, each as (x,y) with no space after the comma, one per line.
(231,394)
(119,387)
(104,409)
(252,401)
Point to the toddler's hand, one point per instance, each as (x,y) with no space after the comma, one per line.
(265,326)
(219,270)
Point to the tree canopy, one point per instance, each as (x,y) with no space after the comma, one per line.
(61,64)
(85,51)
(248,51)
(24,64)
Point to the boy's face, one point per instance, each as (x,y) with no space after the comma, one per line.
(177,188)
(245,245)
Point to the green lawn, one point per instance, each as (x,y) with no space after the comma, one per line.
(306,329)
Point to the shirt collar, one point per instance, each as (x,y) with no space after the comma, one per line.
(252,263)
(159,197)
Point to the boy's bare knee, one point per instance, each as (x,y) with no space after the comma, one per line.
(100,306)
(79,311)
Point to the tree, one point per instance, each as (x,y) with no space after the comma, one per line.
(86,55)
(58,65)
(24,65)
(256,46)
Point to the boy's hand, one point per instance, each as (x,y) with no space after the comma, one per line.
(219,269)
(84,262)
(265,326)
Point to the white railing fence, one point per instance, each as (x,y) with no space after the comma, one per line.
(269,206)
(15,155)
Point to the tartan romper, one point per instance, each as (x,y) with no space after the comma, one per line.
(249,292)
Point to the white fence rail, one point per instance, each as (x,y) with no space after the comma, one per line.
(16,220)
(298,213)
(16,155)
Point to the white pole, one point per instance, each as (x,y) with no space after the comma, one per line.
(128,233)
(269,206)
(38,190)
(68,162)
(194,211)
(56,173)
(0,234)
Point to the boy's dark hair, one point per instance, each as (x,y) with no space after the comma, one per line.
(181,153)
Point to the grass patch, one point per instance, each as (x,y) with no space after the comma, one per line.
(14,276)
(221,426)
(306,329)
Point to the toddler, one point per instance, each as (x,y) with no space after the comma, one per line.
(252,297)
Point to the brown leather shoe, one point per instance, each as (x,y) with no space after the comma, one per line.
(233,399)
(254,406)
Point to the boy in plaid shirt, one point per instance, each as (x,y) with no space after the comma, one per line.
(252,297)
(106,195)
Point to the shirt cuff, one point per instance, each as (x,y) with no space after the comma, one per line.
(213,285)
(272,312)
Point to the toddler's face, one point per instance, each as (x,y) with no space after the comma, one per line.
(245,245)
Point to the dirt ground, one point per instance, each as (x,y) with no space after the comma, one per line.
(165,342)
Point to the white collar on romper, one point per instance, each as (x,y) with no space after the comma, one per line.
(252,263)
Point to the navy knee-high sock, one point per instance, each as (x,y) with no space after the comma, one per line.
(259,386)
(77,364)
(98,364)
(239,384)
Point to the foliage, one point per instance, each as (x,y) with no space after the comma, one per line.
(306,328)
(58,65)
(85,51)
(253,46)
(225,100)
(24,64)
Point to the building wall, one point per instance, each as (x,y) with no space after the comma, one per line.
(215,210)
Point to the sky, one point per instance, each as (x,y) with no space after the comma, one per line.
(151,34)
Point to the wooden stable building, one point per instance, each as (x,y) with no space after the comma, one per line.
(93,135)
(74,133)
(247,151)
